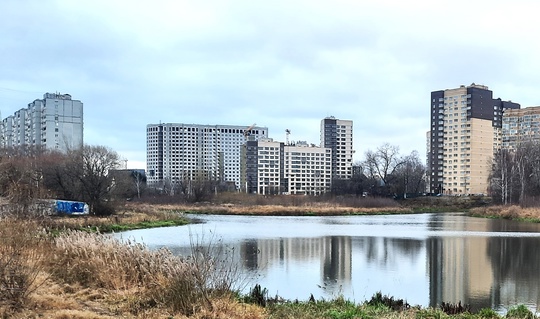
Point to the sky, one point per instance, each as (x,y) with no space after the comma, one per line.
(279,64)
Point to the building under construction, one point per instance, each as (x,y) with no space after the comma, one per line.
(178,152)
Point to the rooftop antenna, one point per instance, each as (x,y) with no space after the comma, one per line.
(287,133)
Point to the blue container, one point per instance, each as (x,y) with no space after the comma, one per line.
(71,208)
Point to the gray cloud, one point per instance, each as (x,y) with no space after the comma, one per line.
(285,64)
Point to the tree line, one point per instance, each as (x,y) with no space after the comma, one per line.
(515,175)
(385,172)
(87,174)
(90,174)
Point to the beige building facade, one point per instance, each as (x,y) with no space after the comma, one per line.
(465,133)
(520,126)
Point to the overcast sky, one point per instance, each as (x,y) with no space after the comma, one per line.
(280,64)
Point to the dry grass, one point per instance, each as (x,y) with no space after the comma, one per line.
(245,204)
(314,208)
(231,309)
(130,214)
(508,212)
(106,262)
(86,275)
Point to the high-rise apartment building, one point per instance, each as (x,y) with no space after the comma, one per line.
(465,132)
(308,169)
(337,135)
(178,152)
(520,126)
(263,163)
(55,122)
(274,168)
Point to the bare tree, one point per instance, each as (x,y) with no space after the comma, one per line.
(93,175)
(500,177)
(515,175)
(21,177)
(83,174)
(139,182)
(382,164)
(410,175)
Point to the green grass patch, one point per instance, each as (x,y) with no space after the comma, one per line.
(142,225)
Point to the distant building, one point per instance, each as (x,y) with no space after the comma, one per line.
(308,169)
(55,122)
(263,167)
(465,132)
(274,168)
(520,126)
(337,135)
(178,152)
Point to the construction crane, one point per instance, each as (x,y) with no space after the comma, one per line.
(287,133)
(246,132)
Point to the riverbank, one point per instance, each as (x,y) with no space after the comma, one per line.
(513,212)
(77,274)
(88,275)
(130,217)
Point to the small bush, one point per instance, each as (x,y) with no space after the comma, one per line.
(453,309)
(520,312)
(378,300)
(488,313)
(258,295)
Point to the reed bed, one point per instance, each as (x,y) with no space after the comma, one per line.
(154,278)
(22,246)
(314,208)
(508,212)
(103,261)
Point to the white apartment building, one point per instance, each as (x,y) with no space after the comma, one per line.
(274,168)
(55,122)
(337,135)
(178,152)
(308,169)
(264,167)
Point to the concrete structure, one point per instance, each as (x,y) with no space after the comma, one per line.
(274,168)
(55,122)
(178,152)
(337,135)
(264,173)
(465,132)
(520,126)
(308,169)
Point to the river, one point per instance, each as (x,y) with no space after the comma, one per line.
(425,259)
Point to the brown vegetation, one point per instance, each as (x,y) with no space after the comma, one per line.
(245,204)
(87,275)
(508,212)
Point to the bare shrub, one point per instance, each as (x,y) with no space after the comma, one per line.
(214,275)
(21,261)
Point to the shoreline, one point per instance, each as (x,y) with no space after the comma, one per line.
(121,281)
(143,216)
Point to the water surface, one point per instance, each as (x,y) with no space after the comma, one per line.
(423,258)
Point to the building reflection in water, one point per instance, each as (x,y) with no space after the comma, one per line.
(333,253)
(426,259)
(482,271)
